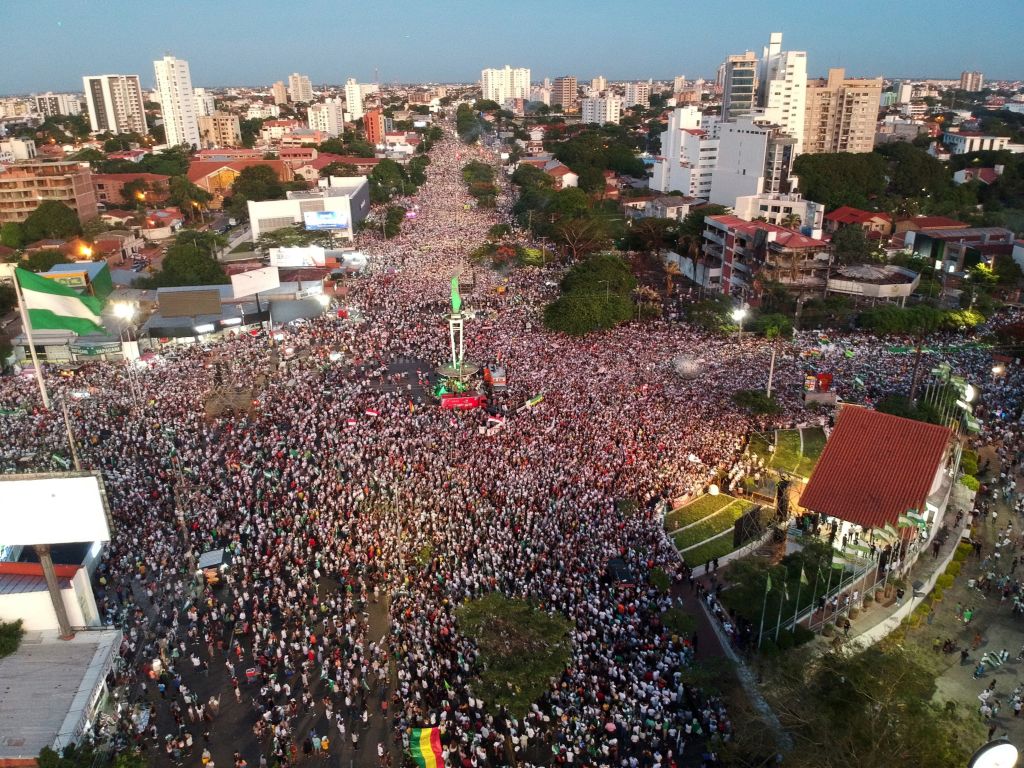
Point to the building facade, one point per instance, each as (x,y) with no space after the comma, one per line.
(13,150)
(300,88)
(348,198)
(786,210)
(115,104)
(51,104)
(206,105)
(841,113)
(328,117)
(354,99)
(375,126)
(689,155)
(220,130)
(972,81)
(507,83)
(25,185)
(177,101)
(601,110)
(782,88)
(564,92)
(279,93)
(637,94)
(739,85)
(965,142)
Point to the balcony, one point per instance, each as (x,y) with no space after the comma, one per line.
(714,235)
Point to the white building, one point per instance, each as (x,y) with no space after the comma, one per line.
(348,198)
(502,84)
(601,110)
(782,209)
(541,94)
(328,117)
(12,150)
(299,88)
(637,93)
(177,101)
(782,88)
(205,104)
(115,104)
(51,104)
(689,155)
(261,111)
(598,84)
(353,99)
(970,141)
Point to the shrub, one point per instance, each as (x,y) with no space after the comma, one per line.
(937,594)
(970,482)
(953,569)
(945,581)
(963,549)
(868,598)
(10,637)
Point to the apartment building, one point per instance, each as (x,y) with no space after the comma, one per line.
(300,88)
(965,142)
(507,83)
(738,80)
(23,186)
(375,126)
(564,92)
(637,94)
(205,103)
(177,101)
(354,99)
(789,210)
(972,81)
(51,104)
(220,130)
(328,117)
(115,104)
(598,84)
(782,88)
(601,110)
(841,113)
(279,93)
(13,150)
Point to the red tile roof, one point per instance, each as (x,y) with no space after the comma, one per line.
(124,178)
(202,168)
(848,215)
(789,238)
(935,222)
(875,467)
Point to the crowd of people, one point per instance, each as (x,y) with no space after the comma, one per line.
(358,517)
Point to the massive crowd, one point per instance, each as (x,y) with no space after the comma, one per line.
(358,517)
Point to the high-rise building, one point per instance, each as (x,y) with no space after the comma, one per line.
(678,83)
(374,125)
(115,104)
(25,185)
(601,110)
(299,88)
(564,92)
(972,81)
(738,76)
(599,84)
(841,113)
(13,150)
(279,92)
(689,154)
(328,116)
(50,104)
(205,104)
(782,88)
(353,99)
(177,101)
(637,93)
(220,130)
(502,84)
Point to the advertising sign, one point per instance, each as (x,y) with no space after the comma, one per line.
(462,402)
(254,281)
(298,256)
(325,220)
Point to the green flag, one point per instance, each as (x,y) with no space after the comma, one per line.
(768,584)
(803,576)
(456,297)
(53,306)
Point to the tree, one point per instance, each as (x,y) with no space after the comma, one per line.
(286,237)
(842,178)
(8,298)
(12,235)
(186,264)
(259,182)
(387,179)
(250,130)
(134,192)
(791,220)
(187,196)
(581,236)
(527,175)
(338,169)
(851,246)
(692,226)
(42,261)
(207,242)
(52,219)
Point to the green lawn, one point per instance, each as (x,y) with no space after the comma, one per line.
(788,456)
(712,526)
(709,550)
(814,444)
(696,510)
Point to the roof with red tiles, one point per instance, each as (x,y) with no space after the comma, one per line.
(875,467)
(849,215)
(789,238)
(201,169)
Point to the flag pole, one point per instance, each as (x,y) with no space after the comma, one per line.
(782,598)
(27,327)
(764,607)
(796,608)
(71,436)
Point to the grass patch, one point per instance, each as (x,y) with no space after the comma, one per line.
(696,510)
(10,637)
(243,247)
(814,444)
(521,649)
(711,526)
(709,550)
(787,455)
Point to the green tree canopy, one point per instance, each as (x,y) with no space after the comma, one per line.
(338,169)
(842,178)
(387,180)
(889,320)
(12,234)
(692,226)
(42,261)
(52,219)
(851,245)
(186,264)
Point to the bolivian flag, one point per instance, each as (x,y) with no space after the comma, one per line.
(425,746)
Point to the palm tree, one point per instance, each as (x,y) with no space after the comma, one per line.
(671,271)
(791,220)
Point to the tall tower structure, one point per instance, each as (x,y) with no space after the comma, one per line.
(177,101)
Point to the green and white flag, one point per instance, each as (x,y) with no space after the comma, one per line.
(52,306)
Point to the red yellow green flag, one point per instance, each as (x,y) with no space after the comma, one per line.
(425,746)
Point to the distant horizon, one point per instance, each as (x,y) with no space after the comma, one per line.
(450,41)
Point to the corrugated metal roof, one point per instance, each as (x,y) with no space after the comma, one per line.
(11,584)
(875,467)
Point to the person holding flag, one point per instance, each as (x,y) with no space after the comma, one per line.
(425,747)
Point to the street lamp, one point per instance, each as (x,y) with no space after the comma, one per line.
(999,753)
(124,311)
(737,317)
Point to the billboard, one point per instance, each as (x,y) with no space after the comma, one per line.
(254,281)
(325,220)
(462,402)
(298,256)
(53,509)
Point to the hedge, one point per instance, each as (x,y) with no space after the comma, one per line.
(963,550)
(953,569)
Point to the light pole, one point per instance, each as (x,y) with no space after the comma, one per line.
(999,753)
(126,312)
(737,317)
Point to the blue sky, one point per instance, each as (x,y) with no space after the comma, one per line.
(50,44)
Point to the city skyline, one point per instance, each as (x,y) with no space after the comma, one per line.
(452,41)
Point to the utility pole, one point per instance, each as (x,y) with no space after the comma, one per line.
(771,372)
(53,587)
(71,438)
